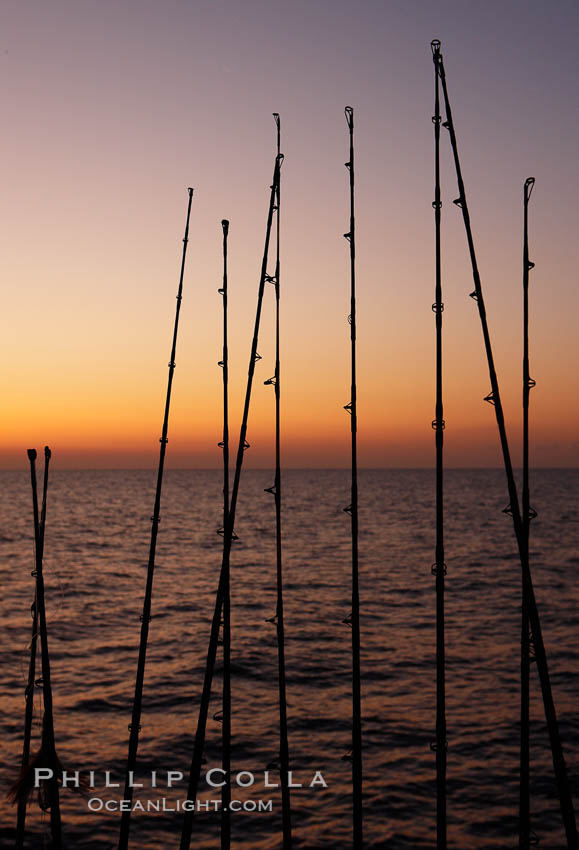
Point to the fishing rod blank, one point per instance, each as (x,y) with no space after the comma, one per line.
(28,715)
(47,756)
(352,509)
(494,398)
(135,724)
(439,567)
(226,707)
(30,685)
(278,619)
(29,692)
(229,537)
(525,834)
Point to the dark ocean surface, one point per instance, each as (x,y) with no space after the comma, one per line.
(96,550)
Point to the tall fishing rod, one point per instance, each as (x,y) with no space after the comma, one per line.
(226,707)
(439,567)
(494,398)
(528,383)
(135,724)
(229,537)
(278,619)
(352,509)
(47,756)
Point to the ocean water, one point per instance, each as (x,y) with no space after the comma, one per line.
(96,549)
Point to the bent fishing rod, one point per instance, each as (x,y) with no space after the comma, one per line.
(229,537)
(354,619)
(525,834)
(513,508)
(47,756)
(135,724)
(226,697)
(278,619)
(438,424)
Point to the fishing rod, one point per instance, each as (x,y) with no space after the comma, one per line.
(228,537)
(28,716)
(226,707)
(47,756)
(30,685)
(513,509)
(525,833)
(278,619)
(354,619)
(438,424)
(135,724)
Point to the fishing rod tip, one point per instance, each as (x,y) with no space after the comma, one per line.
(528,188)
(435,45)
(225,225)
(190,190)
(47,453)
(276,117)
(31,454)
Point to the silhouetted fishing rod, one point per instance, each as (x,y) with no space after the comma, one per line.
(226,707)
(28,716)
(513,508)
(47,756)
(276,492)
(29,692)
(135,724)
(354,619)
(525,833)
(229,536)
(439,567)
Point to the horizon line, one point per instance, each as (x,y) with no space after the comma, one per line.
(287,468)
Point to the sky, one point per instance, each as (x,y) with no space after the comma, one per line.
(112,109)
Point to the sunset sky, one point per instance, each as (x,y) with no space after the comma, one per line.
(111,109)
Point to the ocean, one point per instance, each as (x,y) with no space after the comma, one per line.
(96,551)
